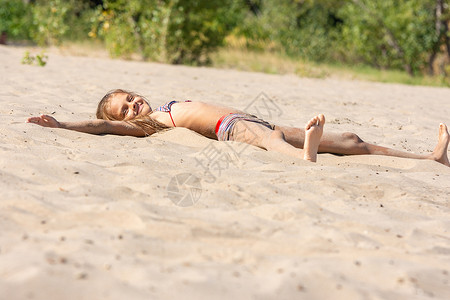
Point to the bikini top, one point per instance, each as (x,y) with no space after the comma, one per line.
(168,107)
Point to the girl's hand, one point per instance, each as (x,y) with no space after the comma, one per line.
(44,120)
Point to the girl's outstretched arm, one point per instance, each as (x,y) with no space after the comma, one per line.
(90,126)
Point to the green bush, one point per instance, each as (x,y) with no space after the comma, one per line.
(260,27)
(50,21)
(14,19)
(196,28)
(298,28)
(57,20)
(177,31)
(313,30)
(390,34)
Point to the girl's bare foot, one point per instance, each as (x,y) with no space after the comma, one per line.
(313,133)
(440,152)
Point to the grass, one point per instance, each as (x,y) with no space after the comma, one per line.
(274,63)
(89,48)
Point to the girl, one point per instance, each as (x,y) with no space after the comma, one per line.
(127,113)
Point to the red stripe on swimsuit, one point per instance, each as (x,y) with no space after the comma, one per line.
(218,123)
(226,123)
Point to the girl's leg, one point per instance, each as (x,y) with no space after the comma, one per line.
(274,140)
(350,144)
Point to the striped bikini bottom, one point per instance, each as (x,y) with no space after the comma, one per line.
(225,125)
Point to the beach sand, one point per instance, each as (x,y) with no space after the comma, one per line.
(179,216)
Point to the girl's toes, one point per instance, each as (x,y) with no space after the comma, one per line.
(321,118)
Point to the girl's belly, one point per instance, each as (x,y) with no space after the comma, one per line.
(203,117)
(197,116)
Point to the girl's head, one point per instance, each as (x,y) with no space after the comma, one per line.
(122,105)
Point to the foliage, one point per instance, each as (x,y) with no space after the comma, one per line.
(299,28)
(14,18)
(314,30)
(27,58)
(50,22)
(276,63)
(39,59)
(178,31)
(390,34)
(411,35)
(57,20)
(397,34)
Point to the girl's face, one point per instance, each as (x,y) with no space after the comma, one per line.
(126,107)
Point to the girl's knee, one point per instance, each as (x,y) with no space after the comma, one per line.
(272,139)
(277,134)
(356,143)
(352,137)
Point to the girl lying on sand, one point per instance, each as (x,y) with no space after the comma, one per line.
(126,113)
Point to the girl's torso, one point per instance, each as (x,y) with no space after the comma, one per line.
(197,116)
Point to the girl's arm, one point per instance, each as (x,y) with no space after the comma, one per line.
(90,126)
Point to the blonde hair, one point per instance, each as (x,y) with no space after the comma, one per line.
(146,123)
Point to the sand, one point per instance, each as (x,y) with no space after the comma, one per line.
(108,217)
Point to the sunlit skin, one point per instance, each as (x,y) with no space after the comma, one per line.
(127,107)
(197,116)
(202,118)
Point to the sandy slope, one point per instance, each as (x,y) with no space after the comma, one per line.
(91,217)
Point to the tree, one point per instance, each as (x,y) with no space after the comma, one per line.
(390,34)
(176,31)
(442,18)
